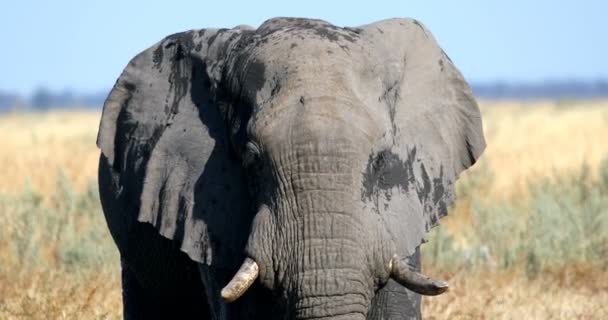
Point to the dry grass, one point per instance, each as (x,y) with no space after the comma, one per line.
(530,141)
(35,147)
(43,295)
(527,145)
(57,260)
(527,142)
(573,293)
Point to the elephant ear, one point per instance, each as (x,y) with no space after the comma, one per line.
(435,131)
(163,135)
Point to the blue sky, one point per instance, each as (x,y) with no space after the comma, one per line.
(83,45)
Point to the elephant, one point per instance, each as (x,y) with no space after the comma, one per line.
(289,171)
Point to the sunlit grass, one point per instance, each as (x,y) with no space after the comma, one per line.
(35,148)
(529,141)
(575,292)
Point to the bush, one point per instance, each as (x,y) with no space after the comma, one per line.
(67,234)
(563,221)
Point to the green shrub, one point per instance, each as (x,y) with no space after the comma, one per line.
(563,221)
(69,233)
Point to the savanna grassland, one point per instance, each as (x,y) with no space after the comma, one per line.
(527,238)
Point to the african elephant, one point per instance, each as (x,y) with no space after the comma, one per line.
(285,172)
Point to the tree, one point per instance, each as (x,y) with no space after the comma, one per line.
(42,99)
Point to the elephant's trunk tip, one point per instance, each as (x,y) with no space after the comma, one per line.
(241,281)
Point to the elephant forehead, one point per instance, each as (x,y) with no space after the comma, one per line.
(278,80)
(287,50)
(289,38)
(315,27)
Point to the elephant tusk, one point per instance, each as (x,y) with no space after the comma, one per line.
(241,281)
(415,281)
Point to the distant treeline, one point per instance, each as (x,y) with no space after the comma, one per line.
(544,90)
(44,99)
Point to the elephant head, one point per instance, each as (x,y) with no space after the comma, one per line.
(314,157)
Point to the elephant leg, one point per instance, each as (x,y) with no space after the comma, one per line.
(210,276)
(394,301)
(137,304)
(140,302)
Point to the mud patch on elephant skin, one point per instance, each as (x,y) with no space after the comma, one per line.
(320,28)
(157,57)
(211,39)
(433,196)
(176,52)
(438,190)
(173,52)
(354,30)
(230,40)
(384,171)
(419,25)
(246,39)
(276,87)
(334,34)
(182,39)
(446,55)
(390,96)
(324,32)
(424,187)
(181,70)
(129,87)
(256,76)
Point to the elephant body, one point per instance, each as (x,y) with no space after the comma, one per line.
(321,154)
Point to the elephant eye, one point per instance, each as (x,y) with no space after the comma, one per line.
(251,155)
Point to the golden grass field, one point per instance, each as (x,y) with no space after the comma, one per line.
(57,260)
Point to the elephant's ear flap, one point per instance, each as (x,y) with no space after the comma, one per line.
(165,142)
(437,131)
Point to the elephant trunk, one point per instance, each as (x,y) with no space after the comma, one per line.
(331,292)
(327,241)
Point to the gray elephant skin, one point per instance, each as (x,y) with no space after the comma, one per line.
(298,166)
